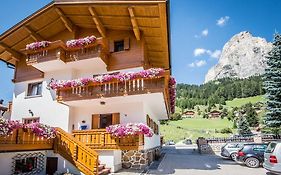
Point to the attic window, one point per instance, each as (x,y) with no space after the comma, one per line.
(118,46)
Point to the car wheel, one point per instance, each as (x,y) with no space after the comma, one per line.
(252,162)
(233,156)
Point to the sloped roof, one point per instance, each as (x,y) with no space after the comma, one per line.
(148,16)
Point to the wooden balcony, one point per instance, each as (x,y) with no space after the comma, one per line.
(99,139)
(24,140)
(112,89)
(56,55)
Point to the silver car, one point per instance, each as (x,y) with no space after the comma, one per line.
(272,158)
(229,150)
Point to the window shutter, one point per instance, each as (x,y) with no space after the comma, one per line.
(111,46)
(147,120)
(115,118)
(95,121)
(127,43)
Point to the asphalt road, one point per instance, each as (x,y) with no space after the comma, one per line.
(187,161)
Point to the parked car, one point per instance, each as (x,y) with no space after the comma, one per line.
(251,154)
(229,150)
(171,142)
(187,141)
(272,158)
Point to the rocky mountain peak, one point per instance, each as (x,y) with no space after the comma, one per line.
(242,56)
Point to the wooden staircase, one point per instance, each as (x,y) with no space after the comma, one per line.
(80,155)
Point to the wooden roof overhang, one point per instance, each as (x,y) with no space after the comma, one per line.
(148,19)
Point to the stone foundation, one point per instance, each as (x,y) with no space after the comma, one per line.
(139,159)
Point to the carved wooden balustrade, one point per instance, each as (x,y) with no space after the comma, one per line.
(24,139)
(57,50)
(75,151)
(112,89)
(99,139)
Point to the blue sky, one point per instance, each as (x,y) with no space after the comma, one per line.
(199,30)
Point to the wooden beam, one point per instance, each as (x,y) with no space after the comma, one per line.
(164,35)
(68,24)
(33,34)
(134,23)
(97,21)
(13,52)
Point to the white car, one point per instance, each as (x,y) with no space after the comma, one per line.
(272,158)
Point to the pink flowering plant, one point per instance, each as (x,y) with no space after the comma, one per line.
(42,130)
(37,45)
(122,76)
(120,130)
(172,92)
(7,127)
(81,41)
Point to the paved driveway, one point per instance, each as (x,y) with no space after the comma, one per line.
(187,161)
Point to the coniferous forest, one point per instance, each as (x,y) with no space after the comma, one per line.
(218,92)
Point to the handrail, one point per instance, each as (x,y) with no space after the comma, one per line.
(24,139)
(58,50)
(85,158)
(60,43)
(99,139)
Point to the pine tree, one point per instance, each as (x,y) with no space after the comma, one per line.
(272,85)
(243,126)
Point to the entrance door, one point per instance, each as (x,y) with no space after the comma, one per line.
(100,121)
(52,165)
(105,120)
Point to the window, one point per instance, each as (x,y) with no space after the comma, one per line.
(105,120)
(259,148)
(271,147)
(30,120)
(25,165)
(34,89)
(118,46)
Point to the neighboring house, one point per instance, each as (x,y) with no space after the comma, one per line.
(214,114)
(131,36)
(189,113)
(5,111)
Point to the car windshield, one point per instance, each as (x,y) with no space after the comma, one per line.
(271,147)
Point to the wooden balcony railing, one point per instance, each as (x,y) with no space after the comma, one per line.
(83,157)
(57,50)
(76,152)
(99,139)
(112,89)
(25,140)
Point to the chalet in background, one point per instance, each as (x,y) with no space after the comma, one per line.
(83,86)
(214,114)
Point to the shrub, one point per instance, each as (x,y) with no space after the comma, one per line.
(226,131)
(176,116)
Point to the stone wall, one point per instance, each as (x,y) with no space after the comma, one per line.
(139,159)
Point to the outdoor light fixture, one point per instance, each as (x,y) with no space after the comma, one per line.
(30,112)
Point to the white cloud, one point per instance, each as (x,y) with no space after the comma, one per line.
(222,21)
(216,54)
(201,51)
(198,63)
(205,32)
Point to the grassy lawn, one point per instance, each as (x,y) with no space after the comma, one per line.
(193,128)
(238,102)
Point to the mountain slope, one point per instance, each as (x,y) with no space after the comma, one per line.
(242,56)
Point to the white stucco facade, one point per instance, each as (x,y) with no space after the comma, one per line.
(69,115)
